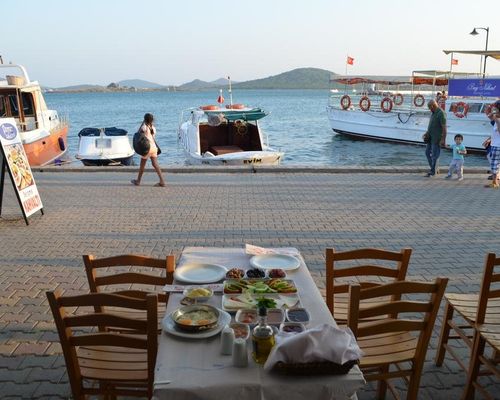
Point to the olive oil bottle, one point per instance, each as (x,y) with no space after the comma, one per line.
(262,338)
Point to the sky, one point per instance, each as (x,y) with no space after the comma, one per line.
(64,42)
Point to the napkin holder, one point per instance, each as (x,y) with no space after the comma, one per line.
(314,368)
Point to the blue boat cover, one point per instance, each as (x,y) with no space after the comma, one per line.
(107,132)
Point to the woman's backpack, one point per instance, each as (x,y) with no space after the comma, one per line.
(141,143)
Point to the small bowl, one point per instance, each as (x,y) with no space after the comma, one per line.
(256,277)
(275,316)
(241,331)
(182,318)
(247,316)
(298,315)
(292,327)
(193,292)
(272,273)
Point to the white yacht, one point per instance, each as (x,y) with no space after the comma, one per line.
(396,110)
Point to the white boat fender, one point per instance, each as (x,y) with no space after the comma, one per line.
(208,154)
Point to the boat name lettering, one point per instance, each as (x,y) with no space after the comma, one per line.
(474,87)
(254,161)
(8,131)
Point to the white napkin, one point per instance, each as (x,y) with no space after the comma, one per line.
(319,344)
(258,251)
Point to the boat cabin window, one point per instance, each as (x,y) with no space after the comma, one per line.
(28,104)
(475,107)
(3,106)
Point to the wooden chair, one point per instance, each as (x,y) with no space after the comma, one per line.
(486,332)
(337,292)
(104,362)
(134,283)
(466,306)
(396,339)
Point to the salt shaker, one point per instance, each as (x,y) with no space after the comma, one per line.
(240,357)
(226,341)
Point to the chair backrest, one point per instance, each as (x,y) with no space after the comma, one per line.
(397,272)
(488,290)
(127,281)
(87,321)
(422,312)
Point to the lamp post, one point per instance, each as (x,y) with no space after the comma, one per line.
(474,33)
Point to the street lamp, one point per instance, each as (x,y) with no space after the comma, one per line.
(474,33)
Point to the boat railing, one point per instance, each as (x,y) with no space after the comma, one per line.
(383,101)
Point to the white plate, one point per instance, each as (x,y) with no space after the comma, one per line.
(200,273)
(169,326)
(271,261)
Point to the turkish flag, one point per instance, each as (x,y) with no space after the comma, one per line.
(350,60)
(454,61)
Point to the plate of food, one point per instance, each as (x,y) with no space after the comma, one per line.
(235,302)
(200,273)
(234,286)
(175,324)
(275,261)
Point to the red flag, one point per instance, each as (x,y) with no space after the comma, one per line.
(454,61)
(350,60)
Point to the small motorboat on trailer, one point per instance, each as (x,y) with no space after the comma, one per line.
(213,135)
(104,146)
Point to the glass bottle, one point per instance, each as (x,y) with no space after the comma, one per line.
(262,338)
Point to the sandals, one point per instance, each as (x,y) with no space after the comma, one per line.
(492,185)
(134,182)
(159,184)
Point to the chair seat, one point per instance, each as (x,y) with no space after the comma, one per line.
(466,306)
(107,363)
(491,333)
(137,314)
(220,150)
(393,347)
(341,308)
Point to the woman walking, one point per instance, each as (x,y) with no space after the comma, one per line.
(495,147)
(147,128)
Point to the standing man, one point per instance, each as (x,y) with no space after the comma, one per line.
(435,137)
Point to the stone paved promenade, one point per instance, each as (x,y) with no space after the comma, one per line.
(450,226)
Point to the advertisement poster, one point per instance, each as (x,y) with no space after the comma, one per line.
(18,166)
(474,87)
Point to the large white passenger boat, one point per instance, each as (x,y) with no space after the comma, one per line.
(396,110)
(213,135)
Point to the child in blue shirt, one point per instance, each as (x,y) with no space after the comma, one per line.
(457,161)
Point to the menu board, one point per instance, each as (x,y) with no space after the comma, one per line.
(19,168)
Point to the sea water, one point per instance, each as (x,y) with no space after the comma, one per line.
(297,124)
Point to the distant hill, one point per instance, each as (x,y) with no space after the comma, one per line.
(140,84)
(197,84)
(300,78)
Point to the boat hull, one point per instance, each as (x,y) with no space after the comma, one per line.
(108,161)
(47,149)
(405,127)
(249,158)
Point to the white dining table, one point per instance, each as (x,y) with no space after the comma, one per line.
(188,369)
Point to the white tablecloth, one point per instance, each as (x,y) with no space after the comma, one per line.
(196,370)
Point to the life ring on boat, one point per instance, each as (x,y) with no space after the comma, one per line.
(365,103)
(345,102)
(386,104)
(419,100)
(241,127)
(209,108)
(398,99)
(235,106)
(461,109)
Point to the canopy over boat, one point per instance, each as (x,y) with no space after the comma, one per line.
(107,132)
(345,80)
(252,114)
(487,53)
